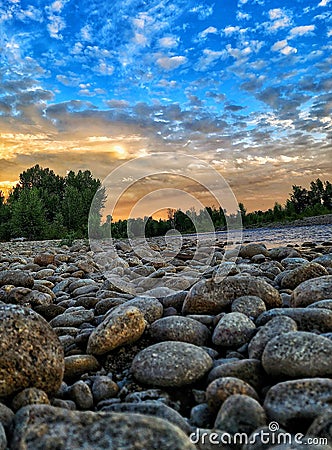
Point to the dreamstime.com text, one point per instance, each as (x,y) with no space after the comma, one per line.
(271,436)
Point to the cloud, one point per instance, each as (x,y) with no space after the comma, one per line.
(210,30)
(168,42)
(172,62)
(209,58)
(324,3)
(302,30)
(279,19)
(283,47)
(203,11)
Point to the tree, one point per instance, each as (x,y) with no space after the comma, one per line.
(28,215)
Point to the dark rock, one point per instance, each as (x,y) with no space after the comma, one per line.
(16,278)
(233,330)
(184,329)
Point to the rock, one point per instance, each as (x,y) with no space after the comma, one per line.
(49,311)
(45,427)
(103,388)
(171,364)
(252,249)
(273,328)
(298,354)
(240,414)
(248,370)
(233,330)
(152,408)
(250,305)
(73,318)
(301,274)
(325,304)
(36,298)
(324,260)
(77,365)
(222,388)
(31,353)
(123,325)
(312,291)
(184,329)
(201,416)
(3,438)
(16,278)
(29,396)
(321,427)
(81,394)
(307,319)
(209,297)
(44,259)
(294,403)
(6,416)
(151,308)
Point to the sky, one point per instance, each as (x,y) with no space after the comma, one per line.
(243,85)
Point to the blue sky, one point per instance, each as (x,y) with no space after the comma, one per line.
(244,85)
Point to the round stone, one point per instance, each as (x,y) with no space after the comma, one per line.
(250,305)
(301,274)
(295,402)
(222,388)
(252,249)
(171,364)
(77,365)
(298,354)
(176,328)
(16,278)
(31,354)
(29,396)
(312,291)
(275,327)
(123,325)
(233,330)
(240,414)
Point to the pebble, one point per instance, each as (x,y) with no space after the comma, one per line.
(177,328)
(250,305)
(312,291)
(233,330)
(16,278)
(29,396)
(298,354)
(291,402)
(123,325)
(240,414)
(302,273)
(77,365)
(103,388)
(171,364)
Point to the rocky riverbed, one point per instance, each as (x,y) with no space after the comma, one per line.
(165,353)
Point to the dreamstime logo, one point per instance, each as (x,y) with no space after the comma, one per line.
(159,183)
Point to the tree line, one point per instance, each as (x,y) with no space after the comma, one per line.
(44,205)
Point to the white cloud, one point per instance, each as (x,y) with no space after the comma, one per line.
(209,30)
(230,30)
(105,69)
(209,58)
(283,47)
(276,13)
(170,63)
(242,16)
(168,42)
(324,3)
(279,19)
(302,30)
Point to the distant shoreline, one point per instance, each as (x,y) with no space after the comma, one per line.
(324,219)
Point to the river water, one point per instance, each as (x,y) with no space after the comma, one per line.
(275,237)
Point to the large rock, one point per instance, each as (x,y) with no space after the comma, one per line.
(31,354)
(298,401)
(252,249)
(301,274)
(46,428)
(210,297)
(123,325)
(171,364)
(298,354)
(16,278)
(312,291)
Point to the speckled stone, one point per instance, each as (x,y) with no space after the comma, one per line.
(321,427)
(29,396)
(77,365)
(73,318)
(248,370)
(252,249)
(151,408)
(296,401)
(301,274)
(298,354)
(151,308)
(31,354)
(324,304)
(103,388)
(16,278)
(123,325)
(177,328)
(307,319)
(240,414)
(45,428)
(210,297)
(3,438)
(250,305)
(81,394)
(312,291)
(233,330)
(222,388)
(44,259)
(171,364)
(274,327)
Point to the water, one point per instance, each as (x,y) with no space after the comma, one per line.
(275,237)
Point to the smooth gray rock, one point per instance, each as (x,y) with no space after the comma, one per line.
(177,328)
(312,291)
(300,274)
(233,330)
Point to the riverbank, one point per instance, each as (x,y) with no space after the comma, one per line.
(325,219)
(194,339)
